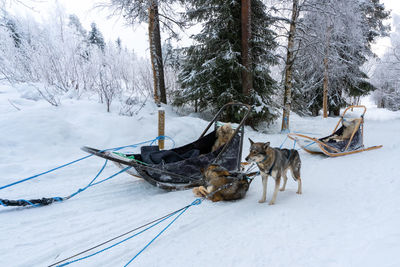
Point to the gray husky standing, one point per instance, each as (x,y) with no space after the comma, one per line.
(275,162)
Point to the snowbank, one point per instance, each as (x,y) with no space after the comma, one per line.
(348,214)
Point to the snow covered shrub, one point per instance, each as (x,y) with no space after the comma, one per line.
(59,57)
(386,74)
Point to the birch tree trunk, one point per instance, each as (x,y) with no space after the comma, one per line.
(247,80)
(287,98)
(156,54)
(326,75)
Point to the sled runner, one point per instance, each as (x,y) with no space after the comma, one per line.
(180,168)
(348,139)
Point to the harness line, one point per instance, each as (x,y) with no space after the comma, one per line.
(47,201)
(152,224)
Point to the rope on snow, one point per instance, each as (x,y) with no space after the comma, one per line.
(48,201)
(150,225)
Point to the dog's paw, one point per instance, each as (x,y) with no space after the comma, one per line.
(271,203)
(196,192)
(261,201)
(203,191)
(299,192)
(282,189)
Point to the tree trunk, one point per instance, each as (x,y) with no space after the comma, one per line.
(326,77)
(247,80)
(156,54)
(287,99)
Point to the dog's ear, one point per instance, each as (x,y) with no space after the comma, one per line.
(251,141)
(266,145)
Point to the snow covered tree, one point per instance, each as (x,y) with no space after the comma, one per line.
(118,42)
(75,24)
(211,69)
(287,99)
(333,45)
(386,76)
(12,28)
(150,11)
(95,37)
(54,57)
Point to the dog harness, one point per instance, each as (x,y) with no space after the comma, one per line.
(273,164)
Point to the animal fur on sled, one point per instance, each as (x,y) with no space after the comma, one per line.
(349,126)
(224,133)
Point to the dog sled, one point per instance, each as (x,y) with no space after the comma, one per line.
(180,168)
(344,140)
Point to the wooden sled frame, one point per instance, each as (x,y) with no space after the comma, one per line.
(325,147)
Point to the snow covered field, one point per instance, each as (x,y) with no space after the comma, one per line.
(348,214)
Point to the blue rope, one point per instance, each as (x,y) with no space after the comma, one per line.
(305,133)
(283,142)
(309,144)
(163,137)
(287,130)
(86,187)
(112,176)
(40,174)
(59,199)
(196,202)
(80,159)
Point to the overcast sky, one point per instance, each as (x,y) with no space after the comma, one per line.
(134,37)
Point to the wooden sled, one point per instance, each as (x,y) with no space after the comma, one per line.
(346,140)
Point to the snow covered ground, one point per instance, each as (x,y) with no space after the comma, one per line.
(348,214)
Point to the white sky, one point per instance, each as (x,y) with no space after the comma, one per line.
(135,37)
(382,44)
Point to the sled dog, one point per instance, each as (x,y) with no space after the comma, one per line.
(275,162)
(223,133)
(220,184)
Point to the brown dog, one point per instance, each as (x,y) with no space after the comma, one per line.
(220,184)
(223,134)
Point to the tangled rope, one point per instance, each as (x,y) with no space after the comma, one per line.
(50,200)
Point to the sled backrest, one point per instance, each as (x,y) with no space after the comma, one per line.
(239,129)
(356,124)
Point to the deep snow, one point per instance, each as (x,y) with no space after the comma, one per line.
(348,214)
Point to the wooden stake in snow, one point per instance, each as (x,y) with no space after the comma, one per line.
(161,126)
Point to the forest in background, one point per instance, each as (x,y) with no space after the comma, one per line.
(283,56)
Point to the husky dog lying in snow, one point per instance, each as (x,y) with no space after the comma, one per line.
(223,133)
(275,162)
(220,184)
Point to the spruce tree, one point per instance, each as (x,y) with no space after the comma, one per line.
(76,25)
(14,32)
(95,37)
(211,68)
